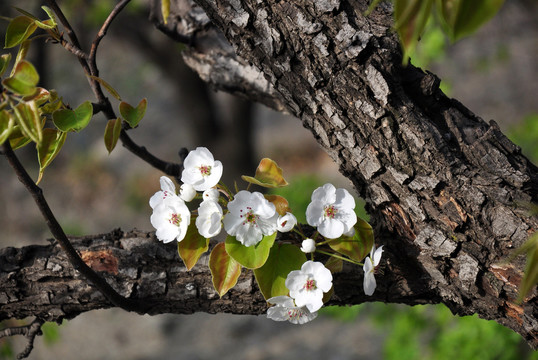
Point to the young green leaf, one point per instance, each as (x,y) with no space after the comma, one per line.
(268,174)
(410,17)
(358,246)
(133,115)
(17,138)
(271,277)
(464,17)
(51,15)
(7,122)
(18,30)
(530,279)
(112,134)
(225,271)
(251,257)
(4,63)
(28,118)
(69,120)
(192,246)
(24,79)
(53,140)
(107,86)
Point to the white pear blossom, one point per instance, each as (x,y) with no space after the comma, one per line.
(250,217)
(210,194)
(308,285)
(331,211)
(209,220)
(170,218)
(286,222)
(167,189)
(286,310)
(370,263)
(201,170)
(308,246)
(187,192)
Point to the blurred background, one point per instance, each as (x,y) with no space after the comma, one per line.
(494,73)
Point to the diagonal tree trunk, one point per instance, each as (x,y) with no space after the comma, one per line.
(442,186)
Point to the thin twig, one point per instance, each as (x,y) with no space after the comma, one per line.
(58,233)
(101,34)
(30,331)
(34,329)
(90,67)
(169,168)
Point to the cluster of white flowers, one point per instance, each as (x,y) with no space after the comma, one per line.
(250,217)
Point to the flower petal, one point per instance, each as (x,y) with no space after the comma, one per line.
(331,228)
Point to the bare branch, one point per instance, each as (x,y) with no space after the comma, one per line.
(101,34)
(58,233)
(30,331)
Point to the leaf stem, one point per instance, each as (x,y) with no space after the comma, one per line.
(340,257)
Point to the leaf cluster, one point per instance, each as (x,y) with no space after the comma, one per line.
(32,114)
(457,18)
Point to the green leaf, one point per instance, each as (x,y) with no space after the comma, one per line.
(107,86)
(192,246)
(40,96)
(410,17)
(18,30)
(69,120)
(24,79)
(17,138)
(530,279)
(29,120)
(54,103)
(53,140)
(464,17)
(224,269)
(7,122)
(133,115)
(271,277)
(251,257)
(46,25)
(51,15)
(165,10)
(112,134)
(358,246)
(4,63)
(268,174)
(335,265)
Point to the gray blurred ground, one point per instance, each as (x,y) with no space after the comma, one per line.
(493,73)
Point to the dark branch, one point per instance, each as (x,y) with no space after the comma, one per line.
(30,331)
(102,33)
(89,65)
(58,233)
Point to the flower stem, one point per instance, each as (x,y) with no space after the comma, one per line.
(340,257)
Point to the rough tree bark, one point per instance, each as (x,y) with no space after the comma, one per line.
(442,186)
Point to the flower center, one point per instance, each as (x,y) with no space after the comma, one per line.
(295,313)
(310,285)
(175,219)
(249,217)
(205,170)
(330,211)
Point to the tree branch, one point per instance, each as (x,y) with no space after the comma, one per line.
(439,182)
(58,233)
(89,65)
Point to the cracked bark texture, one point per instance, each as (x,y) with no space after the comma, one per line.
(442,186)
